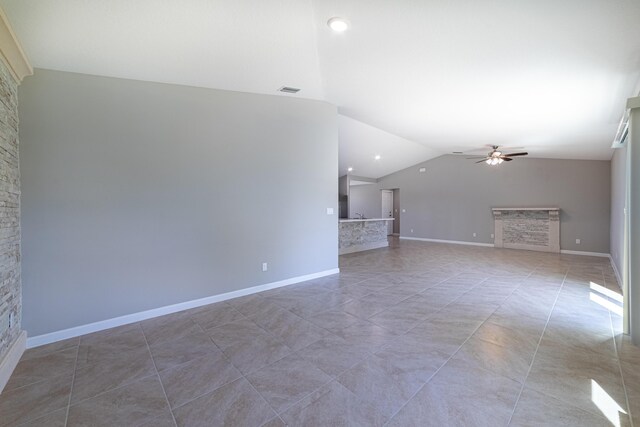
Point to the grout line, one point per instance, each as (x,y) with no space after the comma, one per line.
(158,374)
(73,380)
(461,345)
(524,381)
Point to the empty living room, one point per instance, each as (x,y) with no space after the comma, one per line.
(319,213)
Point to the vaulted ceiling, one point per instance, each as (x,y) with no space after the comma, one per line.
(412,79)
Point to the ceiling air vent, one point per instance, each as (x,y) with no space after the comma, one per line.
(287,89)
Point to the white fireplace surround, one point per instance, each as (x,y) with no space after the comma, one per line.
(533,229)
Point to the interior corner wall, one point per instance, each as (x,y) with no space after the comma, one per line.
(139,195)
(453,198)
(10,283)
(618,201)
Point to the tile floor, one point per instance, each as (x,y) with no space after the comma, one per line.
(420,334)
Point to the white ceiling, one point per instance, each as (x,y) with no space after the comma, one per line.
(551,76)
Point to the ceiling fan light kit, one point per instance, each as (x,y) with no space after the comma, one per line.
(496,157)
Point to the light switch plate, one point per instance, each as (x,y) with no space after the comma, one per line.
(329,211)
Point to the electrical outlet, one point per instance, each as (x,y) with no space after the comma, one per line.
(475,235)
(265,266)
(577,241)
(412,230)
(329,211)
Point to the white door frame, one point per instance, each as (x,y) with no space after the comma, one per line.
(387,208)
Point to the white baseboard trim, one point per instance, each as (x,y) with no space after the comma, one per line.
(598,254)
(161,311)
(615,271)
(10,361)
(453,242)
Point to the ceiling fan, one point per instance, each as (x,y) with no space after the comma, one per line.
(495,157)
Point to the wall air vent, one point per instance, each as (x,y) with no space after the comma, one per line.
(623,131)
(287,89)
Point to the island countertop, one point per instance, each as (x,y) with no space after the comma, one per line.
(365,220)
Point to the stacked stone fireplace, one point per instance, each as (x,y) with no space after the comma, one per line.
(534,229)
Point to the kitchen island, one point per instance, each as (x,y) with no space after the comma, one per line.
(357,235)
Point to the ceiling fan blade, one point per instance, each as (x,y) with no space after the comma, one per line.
(476,157)
(516,154)
(482,161)
(506,159)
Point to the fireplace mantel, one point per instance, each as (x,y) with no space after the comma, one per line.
(530,228)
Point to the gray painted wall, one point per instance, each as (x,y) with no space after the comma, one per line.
(618,191)
(453,199)
(365,199)
(138,195)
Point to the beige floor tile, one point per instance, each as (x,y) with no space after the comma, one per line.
(53,419)
(34,401)
(536,409)
(249,356)
(169,327)
(104,374)
(167,354)
(364,309)
(333,355)
(380,383)
(40,368)
(414,356)
(460,395)
(334,320)
(333,406)
(575,379)
(214,315)
(366,334)
(287,381)
(235,333)
(508,361)
(50,348)
(235,404)
(134,404)
(191,380)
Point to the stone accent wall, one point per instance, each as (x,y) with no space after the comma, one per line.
(10,284)
(362,235)
(526,227)
(534,229)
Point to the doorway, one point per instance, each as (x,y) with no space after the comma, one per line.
(387,208)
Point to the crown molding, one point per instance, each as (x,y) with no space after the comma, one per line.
(11,52)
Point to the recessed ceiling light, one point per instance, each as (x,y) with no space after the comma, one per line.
(350,170)
(338,24)
(377,157)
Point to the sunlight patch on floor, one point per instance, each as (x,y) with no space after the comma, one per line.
(607,405)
